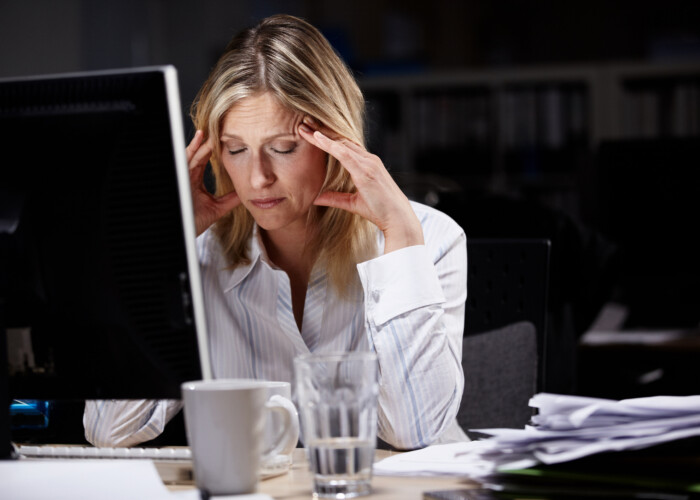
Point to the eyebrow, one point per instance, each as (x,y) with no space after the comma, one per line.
(265,139)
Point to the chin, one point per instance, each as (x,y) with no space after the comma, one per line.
(270,223)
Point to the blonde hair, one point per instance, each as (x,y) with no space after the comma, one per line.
(292,60)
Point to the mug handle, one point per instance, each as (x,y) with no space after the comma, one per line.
(286,440)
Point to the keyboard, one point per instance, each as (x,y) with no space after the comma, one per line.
(68,451)
(174,465)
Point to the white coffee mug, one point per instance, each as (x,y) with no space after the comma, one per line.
(225,422)
(276,460)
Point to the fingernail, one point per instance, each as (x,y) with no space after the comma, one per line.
(306,128)
(309,120)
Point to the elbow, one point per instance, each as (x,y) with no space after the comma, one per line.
(423,429)
(422,421)
(96,430)
(111,441)
(100,441)
(105,439)
(412,439)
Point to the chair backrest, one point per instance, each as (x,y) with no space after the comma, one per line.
(504,344)
(500,377)
(507,282)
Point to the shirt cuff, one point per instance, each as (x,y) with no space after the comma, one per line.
(399,282)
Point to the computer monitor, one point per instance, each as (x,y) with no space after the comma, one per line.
(99,277)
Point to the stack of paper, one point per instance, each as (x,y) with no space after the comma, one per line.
(571,427)
(566,428)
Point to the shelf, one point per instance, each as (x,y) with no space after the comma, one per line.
(533,130)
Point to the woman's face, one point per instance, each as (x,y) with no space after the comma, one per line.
(275,172)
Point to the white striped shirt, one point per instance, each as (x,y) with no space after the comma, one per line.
(409,310)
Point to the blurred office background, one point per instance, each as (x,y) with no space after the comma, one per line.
(577,121)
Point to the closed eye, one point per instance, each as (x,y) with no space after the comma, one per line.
(235,151)
(284,150)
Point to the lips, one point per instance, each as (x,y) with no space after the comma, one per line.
(265,203)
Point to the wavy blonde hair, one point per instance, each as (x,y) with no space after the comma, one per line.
(286,56)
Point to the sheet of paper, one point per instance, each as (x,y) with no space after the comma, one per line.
(85,479)
(585,449)
(568,412)
(460,459)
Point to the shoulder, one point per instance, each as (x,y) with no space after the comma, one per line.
(209,248)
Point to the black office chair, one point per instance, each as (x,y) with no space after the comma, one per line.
(504,345)
(500,377)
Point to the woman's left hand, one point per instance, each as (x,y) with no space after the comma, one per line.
(378,198)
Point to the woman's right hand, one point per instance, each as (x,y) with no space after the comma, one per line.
(207,208)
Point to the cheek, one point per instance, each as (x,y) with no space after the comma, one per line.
(233,173)
(316,168)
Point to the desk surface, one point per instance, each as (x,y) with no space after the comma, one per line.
(296,484)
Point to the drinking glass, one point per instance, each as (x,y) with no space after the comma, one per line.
(337,401)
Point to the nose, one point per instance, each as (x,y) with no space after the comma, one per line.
(261,172)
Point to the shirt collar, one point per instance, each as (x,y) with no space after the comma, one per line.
(256,253)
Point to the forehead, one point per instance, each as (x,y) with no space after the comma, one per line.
(259,113)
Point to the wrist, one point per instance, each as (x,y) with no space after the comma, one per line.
(405,235)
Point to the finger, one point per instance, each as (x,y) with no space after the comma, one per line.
(201,155)
(307,132)
(198,163)
(337,149)
(314,124)
(344,201)
(359,149)
(194,144)
(228,201)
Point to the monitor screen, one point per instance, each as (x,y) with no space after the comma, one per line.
(100,294)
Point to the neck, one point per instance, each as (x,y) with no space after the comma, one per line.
(288,251)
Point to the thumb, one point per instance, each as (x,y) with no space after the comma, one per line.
(344,201)
(228,201)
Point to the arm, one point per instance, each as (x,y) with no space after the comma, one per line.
(414,296)
(115,423)
(414,301)
(378,198)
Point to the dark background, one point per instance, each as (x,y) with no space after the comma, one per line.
(44,36)
(630,235)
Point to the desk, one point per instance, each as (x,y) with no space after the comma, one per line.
(296,484)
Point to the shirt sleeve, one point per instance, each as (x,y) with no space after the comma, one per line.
(120,423)
(123,423)
(414,309)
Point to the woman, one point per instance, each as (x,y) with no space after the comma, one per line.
(308,244)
